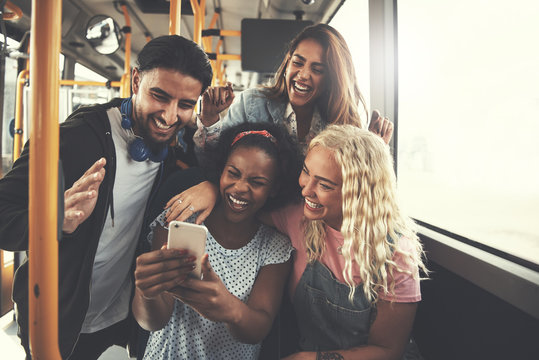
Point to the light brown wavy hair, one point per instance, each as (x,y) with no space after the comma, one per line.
(372,223)
(341,98)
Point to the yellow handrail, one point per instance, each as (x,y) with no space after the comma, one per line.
(21,82)
(14,13)
(17,137)
(230,32)
(43,179)
(125,89)
(175,17)
(228,57)
(66,82)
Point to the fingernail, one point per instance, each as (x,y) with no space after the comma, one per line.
(191,259)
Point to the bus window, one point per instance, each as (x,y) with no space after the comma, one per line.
(88,95)
(467,124)
(10,87)
(352,21)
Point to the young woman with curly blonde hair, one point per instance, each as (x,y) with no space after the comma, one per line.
(355,281)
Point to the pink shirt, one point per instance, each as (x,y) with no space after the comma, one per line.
(289,221)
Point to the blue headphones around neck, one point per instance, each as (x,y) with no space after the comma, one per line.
(137,149)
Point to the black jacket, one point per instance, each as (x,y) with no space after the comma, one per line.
(84,138)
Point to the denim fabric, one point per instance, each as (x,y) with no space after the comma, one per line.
(327,319)
(253,106)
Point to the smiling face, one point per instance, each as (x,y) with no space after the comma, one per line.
(247,180)
(306,73)
(321,184)
(163,103)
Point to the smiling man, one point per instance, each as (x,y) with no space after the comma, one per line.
(114,157)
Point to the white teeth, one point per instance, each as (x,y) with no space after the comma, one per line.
(313,205)
(160,125)
(236,201)
(301,88)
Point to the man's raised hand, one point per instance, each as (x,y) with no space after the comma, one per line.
(80,199)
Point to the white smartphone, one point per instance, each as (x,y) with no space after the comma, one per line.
(191,237)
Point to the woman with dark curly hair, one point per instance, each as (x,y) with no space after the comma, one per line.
(228,312)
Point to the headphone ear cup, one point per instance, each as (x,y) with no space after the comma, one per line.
(160,156)
(126,122)
(138,150)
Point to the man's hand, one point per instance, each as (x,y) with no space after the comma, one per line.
(215,100)
(80,199)
(381,126)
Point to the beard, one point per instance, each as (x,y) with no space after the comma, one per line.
(142,126)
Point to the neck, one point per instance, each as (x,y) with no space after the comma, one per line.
(228,234)
(304,117)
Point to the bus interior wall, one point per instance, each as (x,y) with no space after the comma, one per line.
(458,320)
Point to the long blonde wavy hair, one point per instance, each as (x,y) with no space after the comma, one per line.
(340,101)
(372,222)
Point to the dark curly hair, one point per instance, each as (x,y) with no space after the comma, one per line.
(285,151)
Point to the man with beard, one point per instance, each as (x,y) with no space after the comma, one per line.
(114,157)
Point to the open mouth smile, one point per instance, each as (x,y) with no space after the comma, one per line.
(236,203)
(301,89)
(161,125)
(313,205)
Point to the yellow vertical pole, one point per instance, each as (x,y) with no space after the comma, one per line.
(125,90)
(196,26)
(175,17)
(17,137)
(43,179)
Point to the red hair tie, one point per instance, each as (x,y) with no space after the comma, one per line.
(263,133)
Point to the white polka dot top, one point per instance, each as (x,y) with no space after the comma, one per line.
(188,335)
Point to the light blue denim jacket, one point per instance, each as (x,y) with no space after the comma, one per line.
(252,105)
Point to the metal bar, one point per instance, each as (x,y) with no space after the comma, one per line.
(217,68)
(228,57)
(43,179)
(90,83)
(230,33)
(213,20)
(125,89)
(175,17)
(139,22)
(17,137)
(197,31)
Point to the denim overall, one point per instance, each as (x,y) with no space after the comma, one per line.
(327,320)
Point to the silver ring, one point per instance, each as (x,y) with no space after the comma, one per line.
(179,201)
(191,208)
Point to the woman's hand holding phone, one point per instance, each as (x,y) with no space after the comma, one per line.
(161,270)
(209,296)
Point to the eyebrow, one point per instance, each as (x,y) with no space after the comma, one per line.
(253,177)
(168,96)
(321,177)
(304,59)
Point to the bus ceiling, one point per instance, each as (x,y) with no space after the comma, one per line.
(150,18)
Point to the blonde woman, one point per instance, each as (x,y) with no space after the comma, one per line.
(355,279)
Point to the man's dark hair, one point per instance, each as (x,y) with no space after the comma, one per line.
(177,53)
(285,151)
